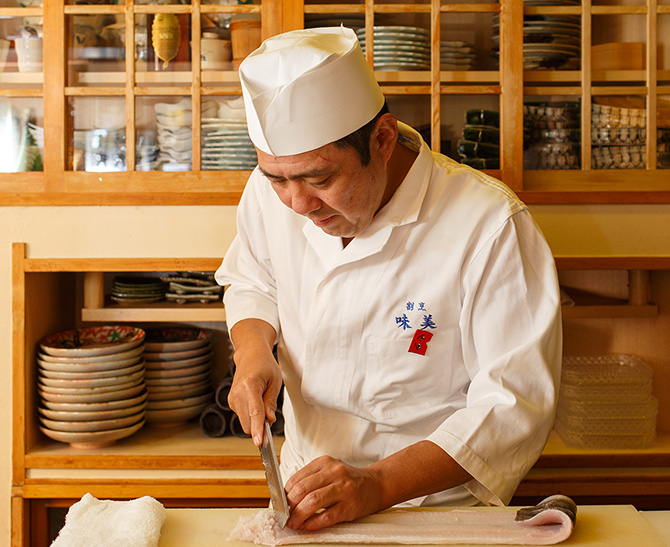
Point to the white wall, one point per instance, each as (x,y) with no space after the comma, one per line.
(207,231)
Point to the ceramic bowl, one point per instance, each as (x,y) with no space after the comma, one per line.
(94,382)
(171,391)
(84,374)
(97,425)
(92,341)
(74,366)
(93,415)
(177,355)
(91,439)
(173,417)
(92,396)
(178,372)
(182,392)
(95,406)
(181,403)
(176,339)
(181,380)
(113,357)
(182,363)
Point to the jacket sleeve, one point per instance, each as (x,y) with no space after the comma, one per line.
(246,271)
(512,342)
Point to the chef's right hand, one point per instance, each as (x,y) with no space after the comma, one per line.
(257,380)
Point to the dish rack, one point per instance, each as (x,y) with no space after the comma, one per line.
(606,402)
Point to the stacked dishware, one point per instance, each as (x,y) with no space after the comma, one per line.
(457,55)
(480,145)
(91,385)
(555,135)
(549,41)
(618,137)
(138,289)
(192,287)
(178,365)
(399,47)
(606,402)
(174,134)
(225,139)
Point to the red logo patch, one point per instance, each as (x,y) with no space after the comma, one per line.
(420,342)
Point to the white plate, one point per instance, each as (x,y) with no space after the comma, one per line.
(96,439)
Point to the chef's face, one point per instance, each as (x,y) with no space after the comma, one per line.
(330,186)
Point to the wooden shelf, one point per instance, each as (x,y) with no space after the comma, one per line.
(156,311)
(183,447)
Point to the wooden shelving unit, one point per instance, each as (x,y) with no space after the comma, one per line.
(181,466)
(509,85)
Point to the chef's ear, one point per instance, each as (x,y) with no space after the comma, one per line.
(384,136)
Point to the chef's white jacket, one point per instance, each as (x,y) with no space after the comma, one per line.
(440,321)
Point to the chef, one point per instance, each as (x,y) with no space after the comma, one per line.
(412,300)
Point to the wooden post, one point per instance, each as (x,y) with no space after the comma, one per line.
(638,287)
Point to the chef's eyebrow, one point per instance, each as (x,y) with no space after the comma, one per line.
(313,173)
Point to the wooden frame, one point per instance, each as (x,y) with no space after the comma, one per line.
(57,185)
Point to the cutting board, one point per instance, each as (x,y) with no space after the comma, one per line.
(597,525)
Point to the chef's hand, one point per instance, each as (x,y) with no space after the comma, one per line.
(327,491)
(257,380)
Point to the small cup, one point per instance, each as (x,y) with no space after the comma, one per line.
(29,54)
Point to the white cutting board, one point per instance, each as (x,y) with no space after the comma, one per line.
(597,526)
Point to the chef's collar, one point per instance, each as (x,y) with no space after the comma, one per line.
(307,88)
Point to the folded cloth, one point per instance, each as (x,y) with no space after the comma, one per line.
(105,523)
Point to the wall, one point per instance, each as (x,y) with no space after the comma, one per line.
(207,231)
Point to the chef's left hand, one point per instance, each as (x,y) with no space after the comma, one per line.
(327,491)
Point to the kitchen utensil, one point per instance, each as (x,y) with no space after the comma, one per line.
(275,484)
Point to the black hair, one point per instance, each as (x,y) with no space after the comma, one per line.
(359,140)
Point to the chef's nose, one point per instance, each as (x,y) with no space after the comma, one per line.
(303,201)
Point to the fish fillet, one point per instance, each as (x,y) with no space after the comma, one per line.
(547,523)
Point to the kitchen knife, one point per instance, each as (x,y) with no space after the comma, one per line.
(275,484)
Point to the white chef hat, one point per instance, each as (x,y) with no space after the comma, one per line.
(306,88)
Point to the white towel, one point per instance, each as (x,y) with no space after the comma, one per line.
(105,523)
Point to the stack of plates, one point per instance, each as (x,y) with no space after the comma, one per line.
(138,289)
(456,55)
(91,385)
(226,145)
(555,134)
(178,365)
(549,41)
(173,121)
(399,48)
(191,288)
(480,145)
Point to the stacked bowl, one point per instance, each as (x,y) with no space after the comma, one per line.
(178,366)
(91,385)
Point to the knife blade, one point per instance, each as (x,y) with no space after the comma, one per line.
(275,484)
